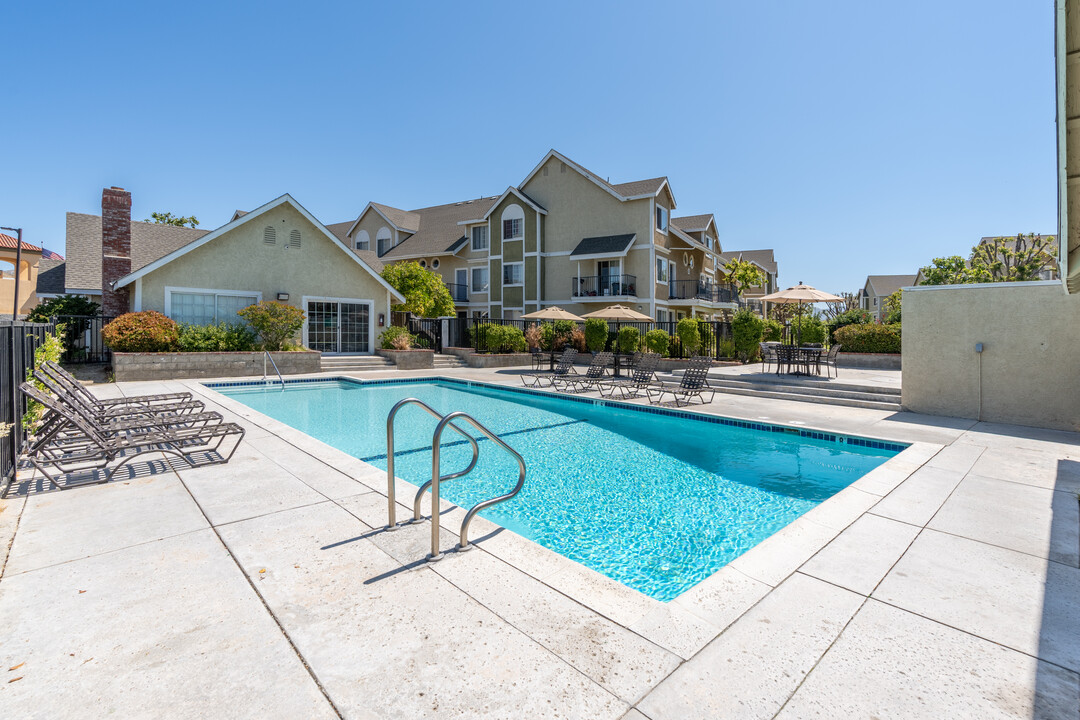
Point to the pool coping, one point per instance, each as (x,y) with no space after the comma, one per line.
(683,625)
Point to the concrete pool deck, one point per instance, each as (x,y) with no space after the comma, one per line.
(946,583)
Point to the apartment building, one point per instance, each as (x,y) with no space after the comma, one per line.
(562,236)
(878,288)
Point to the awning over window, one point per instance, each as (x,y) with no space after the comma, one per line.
(603,246)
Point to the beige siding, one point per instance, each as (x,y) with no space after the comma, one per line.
(239,260)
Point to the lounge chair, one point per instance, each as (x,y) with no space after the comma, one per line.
(197,445)
(584,383)
(172,404)
(564,368)
(642,377)
(112,405)
(695,382)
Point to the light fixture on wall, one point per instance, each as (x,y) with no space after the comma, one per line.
(382,320)
(283,297)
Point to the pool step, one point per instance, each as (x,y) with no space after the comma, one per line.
(355,363)
(862,396)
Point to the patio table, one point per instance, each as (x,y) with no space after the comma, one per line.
(790,356)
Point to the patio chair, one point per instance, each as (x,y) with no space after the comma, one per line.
(171,404)
(564,367)
(694,384)
(65,379)
(768,355)
(197,446)
(642,377)
(830,360)
(584,383)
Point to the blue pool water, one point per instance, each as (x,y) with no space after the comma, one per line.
(657,501)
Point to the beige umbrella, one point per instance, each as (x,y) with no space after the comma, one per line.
(617,313)
(801,294)
(551,313)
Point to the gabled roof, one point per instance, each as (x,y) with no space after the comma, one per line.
(694,223)
(762,258)
(888,284)
(285,199)
(623,191)
(439,232)
(149,241)
(520,196)
(603,245)
(6,241)
(50,278)
(402,220)
(340,231)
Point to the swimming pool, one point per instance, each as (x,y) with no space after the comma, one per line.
(656,499)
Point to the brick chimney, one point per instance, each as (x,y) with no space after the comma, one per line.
(115,248)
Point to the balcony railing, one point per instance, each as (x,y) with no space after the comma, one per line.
(459,292)
(604,285)
(701,290)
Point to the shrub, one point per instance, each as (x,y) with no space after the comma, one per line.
(275,322)
(147,331)
(629,339)
(50,350)
(856,316)
(773,332)
(577,339)
(813,330)
(869,338)
(596,334)
(500,338)
(746,331)
(533,337)
(689,332)
(396,338)
(555,335)
(727,349)
(893,307)
(62,305)
(222,337)
(657,341)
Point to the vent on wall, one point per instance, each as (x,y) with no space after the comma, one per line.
(294,239)
(270,235)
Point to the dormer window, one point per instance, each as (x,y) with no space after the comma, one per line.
(661,218)
(363,240)
(480,238)
(382,240)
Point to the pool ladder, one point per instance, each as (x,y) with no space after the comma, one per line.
(436,476)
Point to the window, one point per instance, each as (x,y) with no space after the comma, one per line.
(511,314)
(435,263)
(270,235)
(875,301)
(382,240)
(205,308)
(294,239)
(479,237)
(661,218)
(661,316)
(708,242)
(479,279)
(363,240)
(661,270)
(513,273)
(513,229)
(513,223)
(423,263)
(671,270)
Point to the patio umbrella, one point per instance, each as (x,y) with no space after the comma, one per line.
(618,313)
(801,294)
(551,313)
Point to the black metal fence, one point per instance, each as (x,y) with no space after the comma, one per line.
(715,336)
(428,331)
(18,341)
(83,342)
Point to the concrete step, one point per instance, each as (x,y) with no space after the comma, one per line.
(867,400)
(835,391)
(355,363)
(449,361)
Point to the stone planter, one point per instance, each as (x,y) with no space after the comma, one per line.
(869,361)
(410,359)
(177,365)
(498,360)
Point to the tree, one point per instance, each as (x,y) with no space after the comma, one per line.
(1018,259)
(167,218)
(62,305)
(276,323)
(849,302)
(892,307)
(425,292)
(954,270)
(743,274)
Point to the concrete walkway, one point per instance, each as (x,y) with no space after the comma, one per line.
(946,583)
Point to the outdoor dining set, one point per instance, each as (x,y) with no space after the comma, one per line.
(799,359)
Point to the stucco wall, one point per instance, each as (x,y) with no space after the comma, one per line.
(239,260)
(1028,372)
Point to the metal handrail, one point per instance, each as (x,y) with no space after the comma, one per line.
(435,440)
(390,487)
(266,356)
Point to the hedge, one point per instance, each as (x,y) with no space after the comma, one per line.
(147,331)
(500,338)
(869,338)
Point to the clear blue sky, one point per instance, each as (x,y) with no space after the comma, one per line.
(853,137)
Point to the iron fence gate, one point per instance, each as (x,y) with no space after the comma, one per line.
(428,331)
(18,341)
(83,342)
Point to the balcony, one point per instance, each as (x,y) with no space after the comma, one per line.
(701,290)
(459,292)
(604,286)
